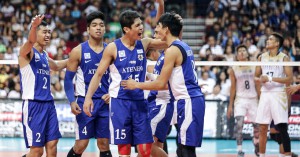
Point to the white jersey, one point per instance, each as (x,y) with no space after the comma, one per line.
(245,86)
(273,71)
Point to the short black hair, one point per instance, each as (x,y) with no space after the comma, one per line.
(94,15)
(172,21)
(241,46)
(279,38)
(127,18)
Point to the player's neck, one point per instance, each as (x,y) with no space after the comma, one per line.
(127,41)
(95,43)
(38,47)
(273,52)
(171,39)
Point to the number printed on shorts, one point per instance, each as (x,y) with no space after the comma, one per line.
(84,131)
(38,139)
(120,135)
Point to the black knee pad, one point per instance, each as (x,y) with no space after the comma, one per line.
(285,138)
(188,151)
(276,137)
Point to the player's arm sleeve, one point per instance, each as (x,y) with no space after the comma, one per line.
(69,88)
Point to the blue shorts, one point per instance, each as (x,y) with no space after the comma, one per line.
(161,115)
(129,122)
(40,124)
(190,120)
(96,126)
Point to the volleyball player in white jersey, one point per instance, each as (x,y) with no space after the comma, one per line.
(243,98)
(273,102)
(83,62)
(179,71)
(125,57)
(40,124)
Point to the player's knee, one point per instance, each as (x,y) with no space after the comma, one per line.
(263,128)
(124,149)
(103,144)
(145,149)
(80,146)
(36,151)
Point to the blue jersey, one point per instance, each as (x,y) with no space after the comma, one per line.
(35,78)
(86,70)
(162,95)
(128,64)
(184,81)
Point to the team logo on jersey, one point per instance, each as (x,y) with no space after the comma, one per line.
(139,51)
(87,56)
(44,65)
(37,57)
(122,53)
(97,64)
(140,57)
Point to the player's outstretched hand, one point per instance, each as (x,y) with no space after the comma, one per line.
(129,84)
(292,89)
(106,98)
(75,109)
(37,20)
(88,106)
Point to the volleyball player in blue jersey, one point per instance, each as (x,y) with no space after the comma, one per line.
(83,62)
(40,124)
(125,57)
(179,71)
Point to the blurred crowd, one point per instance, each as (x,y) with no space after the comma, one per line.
(228,24)
(232,22)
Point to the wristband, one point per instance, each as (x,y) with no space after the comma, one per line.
(270,78)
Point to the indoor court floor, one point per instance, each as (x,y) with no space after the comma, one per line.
(15,147)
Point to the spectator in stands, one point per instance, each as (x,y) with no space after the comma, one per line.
(205,79)
(215,49)
(14,93)
(10,55)
(216,95)
(229,35)
(210,19)
(228,53)
(8,11)
(224,82)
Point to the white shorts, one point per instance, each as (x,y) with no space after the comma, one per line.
(246,107)
(272,106)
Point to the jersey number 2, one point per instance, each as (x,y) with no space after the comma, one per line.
(45,83)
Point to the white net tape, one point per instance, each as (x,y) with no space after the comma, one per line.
(209,63)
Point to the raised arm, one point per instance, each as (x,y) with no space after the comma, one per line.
(160,10)
(27,46)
